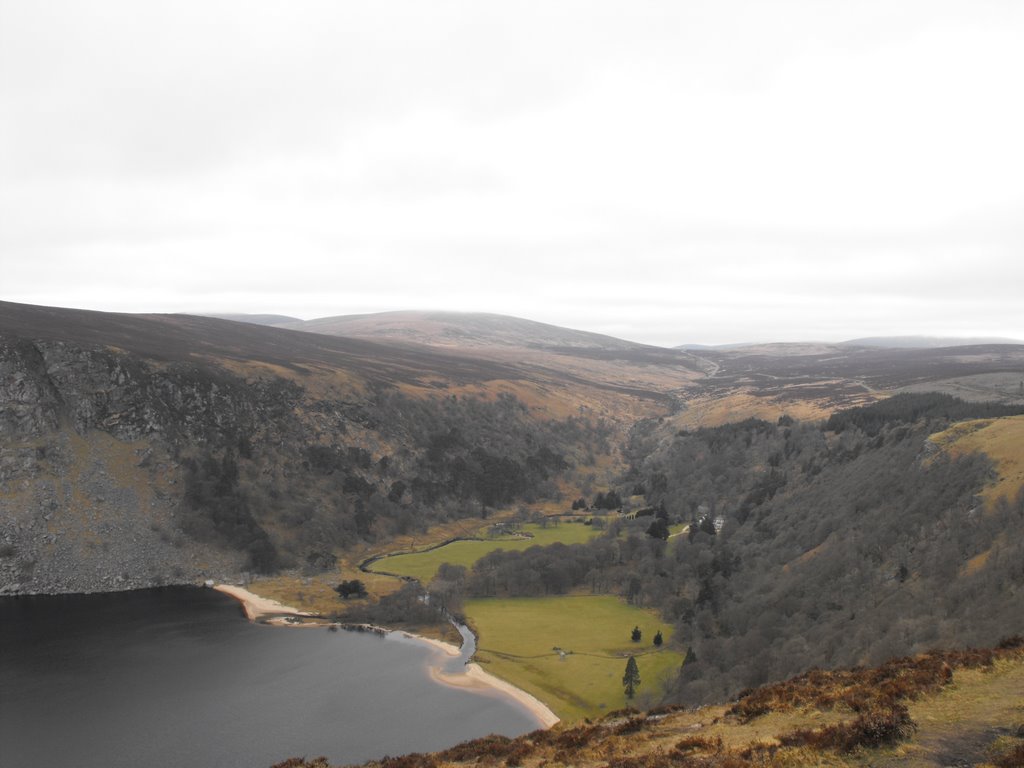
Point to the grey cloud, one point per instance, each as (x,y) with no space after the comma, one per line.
(690,171)
(141,89)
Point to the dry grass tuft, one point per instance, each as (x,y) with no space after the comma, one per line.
(1012,759)
(876,728)
(866,691)
(493,746)
(413,760)
(691,744)
(632,725)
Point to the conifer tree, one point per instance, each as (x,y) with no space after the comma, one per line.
(631,680)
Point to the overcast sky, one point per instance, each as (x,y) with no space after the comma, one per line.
(665,172)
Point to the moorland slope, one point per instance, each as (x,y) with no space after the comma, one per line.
(929,711)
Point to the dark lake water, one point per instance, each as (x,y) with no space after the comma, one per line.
(177,677)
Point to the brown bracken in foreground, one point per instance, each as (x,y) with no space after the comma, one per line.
(935,709)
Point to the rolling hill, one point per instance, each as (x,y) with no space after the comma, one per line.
(255,319)
(925,342)
(464,330)
(714,384)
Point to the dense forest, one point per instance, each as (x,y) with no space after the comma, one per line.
(908,408)
(806,546)
(454,457)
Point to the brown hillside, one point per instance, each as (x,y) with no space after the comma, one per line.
(257,349)
(809,381)
(465,330)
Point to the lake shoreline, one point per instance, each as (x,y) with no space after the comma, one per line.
(476,678)
(473,677)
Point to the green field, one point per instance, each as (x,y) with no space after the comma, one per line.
(517,637)
(423,565)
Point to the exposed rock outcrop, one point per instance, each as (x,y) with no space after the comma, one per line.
(90,489)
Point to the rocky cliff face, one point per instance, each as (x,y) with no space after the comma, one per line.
(90,481)
(29,403)
(47,385)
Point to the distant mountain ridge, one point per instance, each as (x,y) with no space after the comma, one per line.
(442,328)
(925,342)
(462,329)
(256,319)
(877,342)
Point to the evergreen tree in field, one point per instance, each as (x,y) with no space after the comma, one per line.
(658,639)
(658,529)
(631,680)
(635,635)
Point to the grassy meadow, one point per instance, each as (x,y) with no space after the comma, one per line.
(1001,439)
(423,565)
(517,638)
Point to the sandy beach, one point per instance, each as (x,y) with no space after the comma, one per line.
(475,678)
(257,607)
